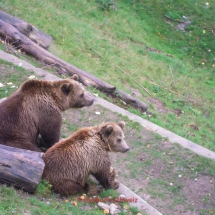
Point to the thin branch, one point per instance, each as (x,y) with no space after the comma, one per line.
(121,71)
(172,76)
(49,65)
(174,20)
(173,92)
(212,30)
(113,64)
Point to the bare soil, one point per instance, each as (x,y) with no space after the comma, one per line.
(160,172)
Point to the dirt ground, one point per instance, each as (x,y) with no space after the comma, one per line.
(160,172)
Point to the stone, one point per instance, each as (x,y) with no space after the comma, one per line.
(103,206)
(122,196)
(113,209)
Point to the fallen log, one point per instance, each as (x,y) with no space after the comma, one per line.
(131,100)
(20,168)
(39,37)
(28,46)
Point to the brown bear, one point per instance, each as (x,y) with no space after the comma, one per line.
(70,161)
(35,108)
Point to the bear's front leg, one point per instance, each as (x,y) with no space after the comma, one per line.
(106,178)
(50,129)
(111,179)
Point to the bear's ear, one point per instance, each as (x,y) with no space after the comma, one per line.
(121,124)
(75,77)
(109,130)
(66,88)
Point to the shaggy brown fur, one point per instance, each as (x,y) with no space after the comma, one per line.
(69,162)
(35,108)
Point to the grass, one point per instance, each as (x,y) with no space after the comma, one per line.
(44,201)
(15,202)
(149,167)
(138,38)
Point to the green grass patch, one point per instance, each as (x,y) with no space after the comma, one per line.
(144,40)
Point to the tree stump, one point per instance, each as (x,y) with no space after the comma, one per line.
(20,168)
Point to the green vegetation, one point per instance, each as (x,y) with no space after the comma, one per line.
(17,202)
(152,164)
(11,76)
(176,66)
(144,40)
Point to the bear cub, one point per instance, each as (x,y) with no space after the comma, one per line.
(35,108)
(69,162)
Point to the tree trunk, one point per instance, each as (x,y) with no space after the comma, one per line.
(18,39)
(131,100)
(7,30)
(42,39)
(20,168)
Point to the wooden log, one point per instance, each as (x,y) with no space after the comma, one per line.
(17,38)
(39,37)
(131,100)
(20,168)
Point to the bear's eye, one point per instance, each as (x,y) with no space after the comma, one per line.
(82,95)
(119,140)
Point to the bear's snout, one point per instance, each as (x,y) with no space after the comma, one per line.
(125,150)
(89,99)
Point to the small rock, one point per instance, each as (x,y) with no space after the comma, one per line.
(170,184)
(1,85)
(195,179)
(103,206)
(57,195)
(113,209)
(48,203)
(122,196)
(32,77)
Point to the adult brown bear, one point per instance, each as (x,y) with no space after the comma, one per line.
(69,162)
(35,108)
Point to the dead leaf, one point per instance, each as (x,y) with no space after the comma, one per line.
(82,197)
(106,211)
(75,203)
(148,146)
